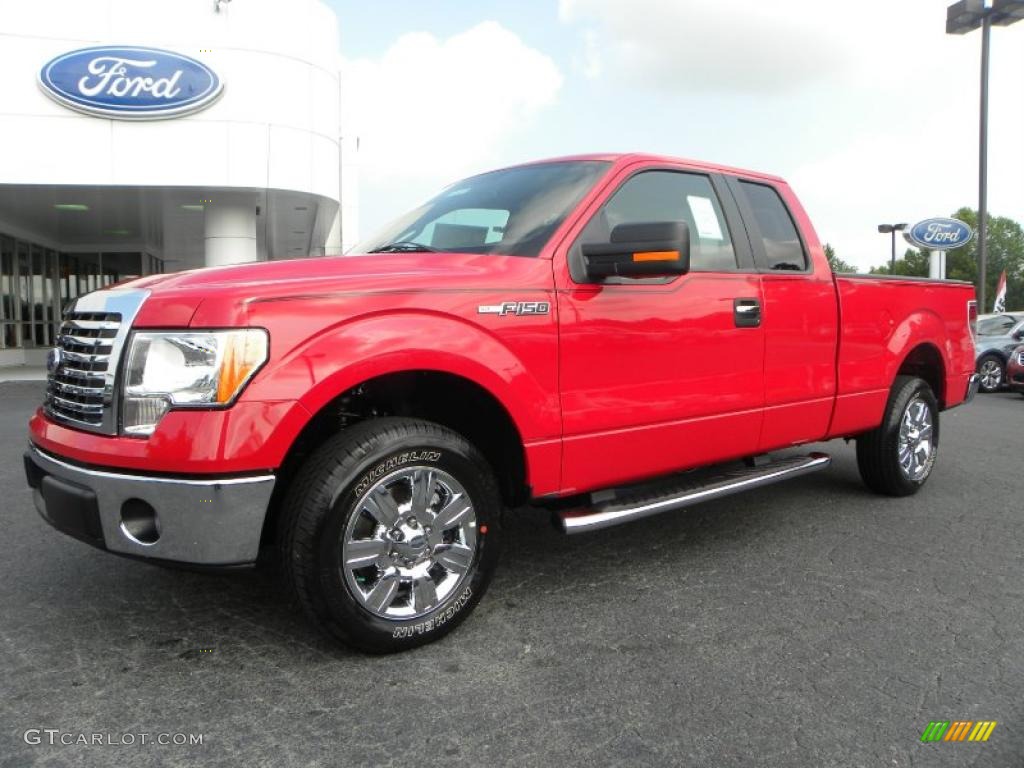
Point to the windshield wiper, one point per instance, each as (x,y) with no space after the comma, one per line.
(404,245)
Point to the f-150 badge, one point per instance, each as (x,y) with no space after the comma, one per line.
(515,308)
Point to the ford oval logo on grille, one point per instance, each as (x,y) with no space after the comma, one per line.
(54,359)
(940,234)
(130,83)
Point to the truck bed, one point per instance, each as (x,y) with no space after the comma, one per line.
(890,321)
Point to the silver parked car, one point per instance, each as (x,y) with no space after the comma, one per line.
(998,336)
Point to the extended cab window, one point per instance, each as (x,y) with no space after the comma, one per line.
(782,246)
(669,196)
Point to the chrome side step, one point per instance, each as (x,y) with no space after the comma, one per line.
(637,503)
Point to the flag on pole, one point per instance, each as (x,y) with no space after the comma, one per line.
(1000,302)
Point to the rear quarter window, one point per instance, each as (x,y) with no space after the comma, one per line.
(782,247)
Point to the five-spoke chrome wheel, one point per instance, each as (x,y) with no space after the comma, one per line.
(410,542)
(916,442)
(991,374)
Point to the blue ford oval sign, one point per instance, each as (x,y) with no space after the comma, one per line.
(940,234)
(130,83)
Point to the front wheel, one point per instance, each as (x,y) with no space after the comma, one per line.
(990,373)
(897,458)
(390,533)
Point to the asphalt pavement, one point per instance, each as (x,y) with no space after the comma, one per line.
(807,624)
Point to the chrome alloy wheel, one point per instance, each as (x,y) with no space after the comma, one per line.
(991,373)
(410,542)
(916,442)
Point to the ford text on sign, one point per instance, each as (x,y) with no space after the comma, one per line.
(940,234)
(129,82)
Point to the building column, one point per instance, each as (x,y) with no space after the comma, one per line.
(230,229)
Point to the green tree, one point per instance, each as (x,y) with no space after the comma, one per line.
(837,264)
(914,263)
(1005,251)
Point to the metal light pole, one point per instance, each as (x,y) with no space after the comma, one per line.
(886,229)
(961,18)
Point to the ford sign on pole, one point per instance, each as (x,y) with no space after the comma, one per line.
(130,83)
(940,234)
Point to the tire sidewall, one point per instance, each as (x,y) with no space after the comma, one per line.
(912,389)
(365,628)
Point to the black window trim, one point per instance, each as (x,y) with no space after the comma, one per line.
(736,183)
(741,244)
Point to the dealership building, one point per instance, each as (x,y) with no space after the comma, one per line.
(156,136)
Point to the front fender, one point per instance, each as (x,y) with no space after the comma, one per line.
(519,369)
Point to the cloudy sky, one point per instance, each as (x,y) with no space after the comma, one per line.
(869,109)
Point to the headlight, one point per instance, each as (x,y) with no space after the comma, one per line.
(169,369)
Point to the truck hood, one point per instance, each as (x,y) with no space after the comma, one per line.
(270,278)
(175,298)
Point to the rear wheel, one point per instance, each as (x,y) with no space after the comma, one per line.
(390,533)
(897,458)
(991,373)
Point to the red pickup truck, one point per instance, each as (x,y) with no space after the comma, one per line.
(604,337)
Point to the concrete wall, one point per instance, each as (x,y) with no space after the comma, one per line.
(275,127)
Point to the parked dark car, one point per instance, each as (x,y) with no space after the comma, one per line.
(998,337)
(1015,370)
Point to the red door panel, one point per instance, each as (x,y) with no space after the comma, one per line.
(800,323)
(657,378)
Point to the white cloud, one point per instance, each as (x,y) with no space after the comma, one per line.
(697,44)
(868,108)
(429,110)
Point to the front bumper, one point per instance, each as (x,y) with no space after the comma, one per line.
(213,522)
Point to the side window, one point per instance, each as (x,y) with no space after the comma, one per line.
(669,196)
(782,245)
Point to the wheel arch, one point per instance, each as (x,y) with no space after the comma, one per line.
(451,399)
(994,352)
(921,346)
(926,362)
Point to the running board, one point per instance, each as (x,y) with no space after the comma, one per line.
(639,503)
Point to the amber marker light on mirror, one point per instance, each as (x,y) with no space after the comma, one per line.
(656,256)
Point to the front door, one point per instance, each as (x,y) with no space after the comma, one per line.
(666,373)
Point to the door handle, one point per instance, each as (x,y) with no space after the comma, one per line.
(747,313)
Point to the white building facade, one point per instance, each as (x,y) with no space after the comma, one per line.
(140,136)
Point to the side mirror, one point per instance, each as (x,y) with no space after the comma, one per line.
(656,249)
(1019,335)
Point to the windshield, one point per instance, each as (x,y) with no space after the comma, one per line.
(512,212)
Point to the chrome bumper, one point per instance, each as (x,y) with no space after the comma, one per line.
(202,522)
(972,387)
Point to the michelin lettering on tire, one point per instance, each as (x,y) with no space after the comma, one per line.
(391,463)
(438,620)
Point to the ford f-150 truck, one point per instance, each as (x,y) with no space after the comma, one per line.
(603,337)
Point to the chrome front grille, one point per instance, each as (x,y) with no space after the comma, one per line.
(83,367)
(76,388)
